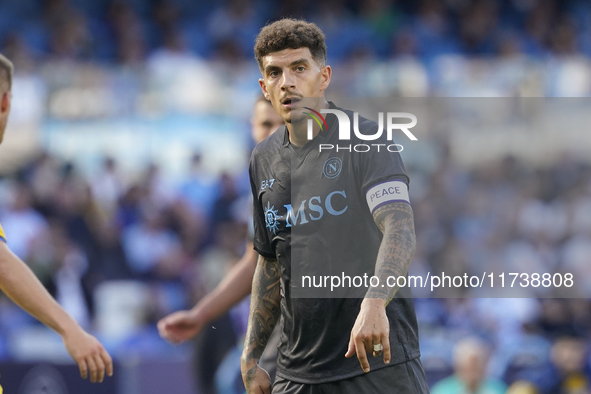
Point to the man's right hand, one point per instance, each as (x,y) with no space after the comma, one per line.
(89,354)
(256,380)
(180,326)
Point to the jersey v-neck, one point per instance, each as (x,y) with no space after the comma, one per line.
(302,152)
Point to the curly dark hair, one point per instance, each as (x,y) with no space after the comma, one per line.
(290,33)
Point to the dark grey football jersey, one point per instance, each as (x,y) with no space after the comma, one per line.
(311,213)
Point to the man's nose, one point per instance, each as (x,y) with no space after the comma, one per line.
(288,81)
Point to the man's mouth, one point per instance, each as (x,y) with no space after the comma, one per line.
(290,102)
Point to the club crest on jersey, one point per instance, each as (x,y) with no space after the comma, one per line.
(332,167)
(272,218)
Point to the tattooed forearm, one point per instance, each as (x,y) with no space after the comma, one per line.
(264,313)
(250,373)
(395,221)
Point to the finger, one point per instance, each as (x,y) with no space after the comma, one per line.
(362,355)
(108,361)
(350,348)
(179,319)
(386,345)
(167,321)
(83,369)
(376,353)
(172,321)
(163,329)
(100,365)
(170,338)
(166,331)
(368,344)
(377,339)
(93,369)
(161,326)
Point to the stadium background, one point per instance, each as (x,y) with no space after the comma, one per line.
(124,179)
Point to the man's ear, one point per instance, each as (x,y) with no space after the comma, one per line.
(5,102)
(326,73)
(264,88)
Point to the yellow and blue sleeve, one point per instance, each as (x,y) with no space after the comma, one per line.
(3,238)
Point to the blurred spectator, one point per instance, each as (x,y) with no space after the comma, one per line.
(26,226)
(70,35)
(159,190)
(477,22)
(470,364)
(200,188)
(555,319)
(569,371)
(522,387)
(237,20)
(107,187)
(127,32)
(148,243)
(71,266)
(222,209)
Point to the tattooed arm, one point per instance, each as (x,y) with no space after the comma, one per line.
(264,315)
(395,221)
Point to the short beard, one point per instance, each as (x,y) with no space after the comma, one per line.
(298,118)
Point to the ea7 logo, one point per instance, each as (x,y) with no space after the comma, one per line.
(345,124)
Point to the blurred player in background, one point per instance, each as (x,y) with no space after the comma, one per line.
(23,287)
(183,325)
(320,336)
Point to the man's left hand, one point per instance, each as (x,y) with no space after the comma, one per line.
(371,328)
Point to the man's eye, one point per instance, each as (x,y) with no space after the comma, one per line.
(274,73)
(301,68)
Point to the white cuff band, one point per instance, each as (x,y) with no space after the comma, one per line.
(386,192)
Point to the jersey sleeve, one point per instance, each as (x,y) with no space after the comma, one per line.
(2,236)
(260,237)
(250,231)
(383,177)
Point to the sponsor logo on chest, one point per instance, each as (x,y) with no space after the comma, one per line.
(309,210)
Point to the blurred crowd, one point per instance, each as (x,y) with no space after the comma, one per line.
(74,56)
(128,32)
(88,233)
(78,232)
(506,216)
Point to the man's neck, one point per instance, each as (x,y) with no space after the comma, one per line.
(300,138)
